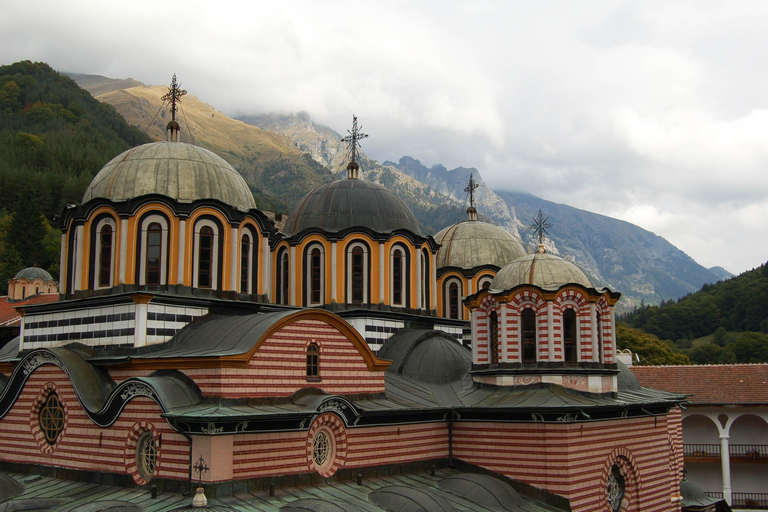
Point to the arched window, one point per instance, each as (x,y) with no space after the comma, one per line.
(493,337)
(399,266)
(484,282)
(453,299)
(569,336)
(425,280)
(313,362)
(153,258)
(283,283)
(246,254)
(528,321)
(23,292)
(314,275)
(205,258)
(357,274)
(105,256)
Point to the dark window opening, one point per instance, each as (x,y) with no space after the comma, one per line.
(205,257)
(245,263)
(313,361)
(154,254)
(569,335)
(105,257)
(358,275)
(453,300)
(285,276)
(397,278)
(315,270)
(528,320)
(493,337)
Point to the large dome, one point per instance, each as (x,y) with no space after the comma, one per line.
(177,170)
(546,271)
(472,243)
(350,203)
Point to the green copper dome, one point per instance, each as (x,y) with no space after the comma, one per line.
(546,271)
(351,203)
(472,243)
(177,170)
(32,273)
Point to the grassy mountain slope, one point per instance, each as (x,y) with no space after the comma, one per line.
(278,173)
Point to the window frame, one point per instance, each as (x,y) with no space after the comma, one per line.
(398,276)
(101,225)
(352,252)
(145,224)
(216,244)
(570,339)
(313,362)
(529,337)
(314,296)
(450,301)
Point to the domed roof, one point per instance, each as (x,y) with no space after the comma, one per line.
(429,356)
(350,203)
(473,243)
(31,273)
(177,170)
(627,380)
(540,269)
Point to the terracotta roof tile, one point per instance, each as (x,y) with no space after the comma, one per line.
(709,384)
(9,316)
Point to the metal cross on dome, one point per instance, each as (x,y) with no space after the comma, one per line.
(353,139)
(540,226)
(200,467)
(471,189)
(175,92)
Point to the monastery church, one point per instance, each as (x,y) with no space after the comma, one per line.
(189,328)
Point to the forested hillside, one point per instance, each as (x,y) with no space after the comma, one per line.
(54,137)
(734,312)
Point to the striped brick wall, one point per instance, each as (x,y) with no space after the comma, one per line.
(562,459)
(83,445)
(278,368)
(285,453)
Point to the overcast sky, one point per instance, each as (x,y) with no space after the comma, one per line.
(655,112)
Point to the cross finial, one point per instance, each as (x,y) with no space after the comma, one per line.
(473,185)
(200,467)
(353,139)
(540,226)
(175,92)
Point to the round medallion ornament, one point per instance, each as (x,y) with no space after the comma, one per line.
(146,455)
(51,418)
(615,489)
(321,448)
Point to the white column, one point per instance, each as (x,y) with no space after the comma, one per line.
(469,287)
(140,329)
(418,280)
(550,332)
(433,279)
(382,264)
(293,275)
(334,269)
(613,336)
(234,268)
(63,261)
(725,461)
(77,282)
(181,252)
(123,251)
(265,286)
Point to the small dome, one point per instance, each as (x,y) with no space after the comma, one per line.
(472,243)
(627,380)
(429,356)
(177,170)
(540,269)
(350,203)
(32,273)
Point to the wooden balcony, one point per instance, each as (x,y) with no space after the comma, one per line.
(748,453)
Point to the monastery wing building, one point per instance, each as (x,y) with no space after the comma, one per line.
(190,329)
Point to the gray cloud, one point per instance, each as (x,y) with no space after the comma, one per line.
(654,111)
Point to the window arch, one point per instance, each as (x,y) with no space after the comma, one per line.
(399,271)
(313,362)
(103,252)
(314,264)
(283,278)
(153,260)
(357,273)
(484,282)
(425,280)
(528,335)
(570,336)
(207,245)
(453,299)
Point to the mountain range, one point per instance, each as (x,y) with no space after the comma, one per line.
(284,156)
